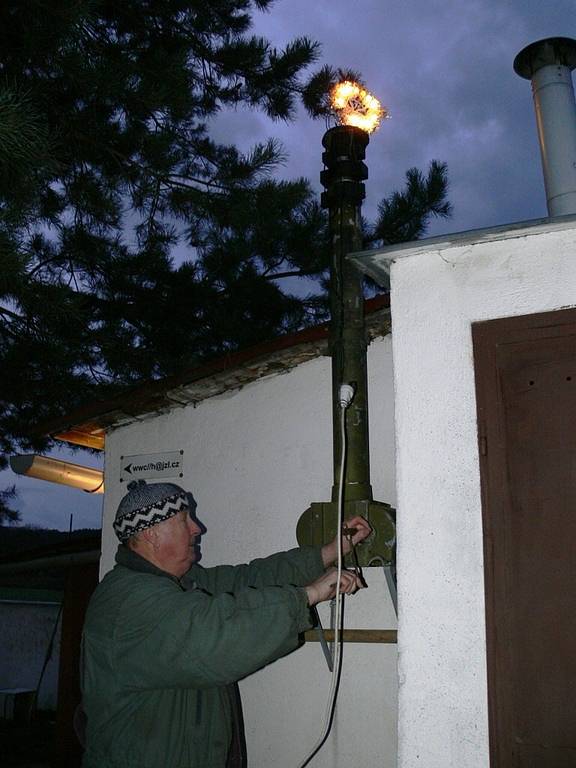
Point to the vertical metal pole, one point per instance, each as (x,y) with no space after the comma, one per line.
(345,150)
(342,179)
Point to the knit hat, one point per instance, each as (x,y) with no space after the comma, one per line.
(146,505)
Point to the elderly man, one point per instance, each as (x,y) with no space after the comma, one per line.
(165,640)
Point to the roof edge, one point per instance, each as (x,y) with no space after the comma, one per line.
(86,426)
(377,262)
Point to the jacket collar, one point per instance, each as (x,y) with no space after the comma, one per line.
(135,562)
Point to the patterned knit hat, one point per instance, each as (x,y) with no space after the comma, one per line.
(147,505)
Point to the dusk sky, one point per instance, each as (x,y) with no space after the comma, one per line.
(443,68)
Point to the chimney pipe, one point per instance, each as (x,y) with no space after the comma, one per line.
(549,64)
(343,179)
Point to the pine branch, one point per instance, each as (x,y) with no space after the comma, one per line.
(406,215)
(292,273)
(13,315)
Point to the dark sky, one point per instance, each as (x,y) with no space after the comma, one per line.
(444,70)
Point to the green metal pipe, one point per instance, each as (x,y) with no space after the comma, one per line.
(342,178)
(345,150)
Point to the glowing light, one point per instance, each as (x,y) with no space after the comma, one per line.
(355,106)
(57,471)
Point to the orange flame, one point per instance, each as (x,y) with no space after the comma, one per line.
(355,106)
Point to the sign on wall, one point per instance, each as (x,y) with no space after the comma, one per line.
(147,465)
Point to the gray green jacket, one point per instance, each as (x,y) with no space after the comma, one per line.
(160,654)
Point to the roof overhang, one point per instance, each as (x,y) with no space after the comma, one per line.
(87,426)
(377,263)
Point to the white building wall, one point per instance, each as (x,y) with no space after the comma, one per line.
(26,629)
(255,459)
(436,295)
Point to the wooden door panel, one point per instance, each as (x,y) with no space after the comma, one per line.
(526,388)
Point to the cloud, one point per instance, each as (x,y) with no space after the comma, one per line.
(444,68)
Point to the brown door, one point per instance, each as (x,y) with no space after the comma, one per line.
(526,394)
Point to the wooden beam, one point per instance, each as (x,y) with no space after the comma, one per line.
(356,636)
(85,439)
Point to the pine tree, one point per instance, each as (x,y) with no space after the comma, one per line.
(104,160)
(107,163)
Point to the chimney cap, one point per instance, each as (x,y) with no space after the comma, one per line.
(542,53)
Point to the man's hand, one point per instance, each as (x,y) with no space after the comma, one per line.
(363,529)
(324,588)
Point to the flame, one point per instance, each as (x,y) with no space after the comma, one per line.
(355,106)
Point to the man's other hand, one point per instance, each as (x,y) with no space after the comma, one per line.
(362,529)
(324,588)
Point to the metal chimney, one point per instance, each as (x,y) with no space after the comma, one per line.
(548,64)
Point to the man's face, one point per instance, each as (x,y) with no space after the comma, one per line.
(175,540)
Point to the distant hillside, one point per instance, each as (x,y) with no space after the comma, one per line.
(15,539)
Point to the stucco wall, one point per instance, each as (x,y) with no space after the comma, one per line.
(24,639)
(436,295)
(255,459)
